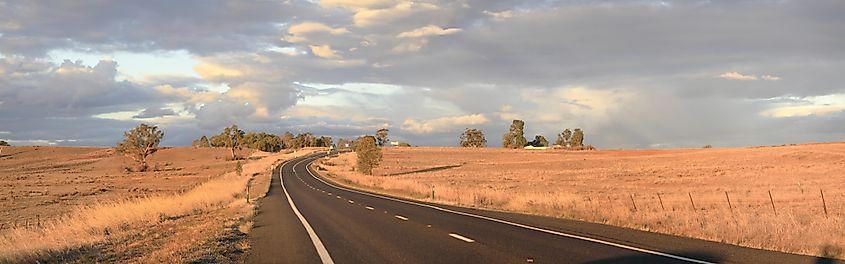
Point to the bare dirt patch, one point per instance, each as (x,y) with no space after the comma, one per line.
(679,191)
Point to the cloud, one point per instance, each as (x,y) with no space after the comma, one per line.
(443,124)
(803,110)
(357,4)
(770,78)
(313,27)
(430,30)
(298,32)
(737,76)
(372,17)
(499,15)
(154,112)
(324,51)
(747,77)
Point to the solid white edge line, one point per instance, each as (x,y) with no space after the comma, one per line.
(460,237)
(402,218)
(318,244)
(594,240)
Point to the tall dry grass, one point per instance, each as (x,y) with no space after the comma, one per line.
(95,223)
(797,224)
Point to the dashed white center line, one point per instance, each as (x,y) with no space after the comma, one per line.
(351,201)
(369,208)
(460,237)
(338,197)
(402,218)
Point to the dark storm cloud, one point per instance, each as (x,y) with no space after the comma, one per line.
(548,62)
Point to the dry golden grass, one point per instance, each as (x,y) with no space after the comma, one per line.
(97,222)
(621,187)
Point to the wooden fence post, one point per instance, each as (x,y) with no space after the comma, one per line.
(773,202)
(824,203)
(632,202)
(661,202)
(691,202)
(730,206)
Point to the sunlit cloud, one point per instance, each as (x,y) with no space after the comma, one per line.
(443,124)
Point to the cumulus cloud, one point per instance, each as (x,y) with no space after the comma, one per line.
(443,124)
(372,17)
(154,112)
(324,51)
(430,30)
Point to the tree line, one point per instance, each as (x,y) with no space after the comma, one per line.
(143,140)
(515,138)
(232,137)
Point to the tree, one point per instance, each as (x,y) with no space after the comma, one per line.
(139,143)
(232,138)
(324,141)
(4,143)
(262,141)
(344,143)
(578,138)
(201,142)
(564,139)
(303,140)
(473,138)
(539,141)
(381,137)
(368,153)
(287,140)
(515,138)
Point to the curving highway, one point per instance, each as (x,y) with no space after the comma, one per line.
(304,219)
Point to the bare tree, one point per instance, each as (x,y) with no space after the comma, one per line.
(381,136)
(473,138)
(368,153)
(139,143)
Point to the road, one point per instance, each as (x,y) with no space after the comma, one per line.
(307,220)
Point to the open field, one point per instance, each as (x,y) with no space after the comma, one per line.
(80,205)
(681,191)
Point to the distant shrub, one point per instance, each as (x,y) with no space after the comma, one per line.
(707,146)
(368,153)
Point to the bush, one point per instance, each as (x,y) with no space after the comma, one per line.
(368,154)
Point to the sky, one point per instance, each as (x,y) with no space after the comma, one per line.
(632,74)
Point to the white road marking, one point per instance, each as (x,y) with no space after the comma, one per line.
(351,201)
(460,237)
(402,218)
(318,244)
(338,197)
(594,240)
(369,208)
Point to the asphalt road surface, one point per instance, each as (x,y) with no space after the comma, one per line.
(308,220)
